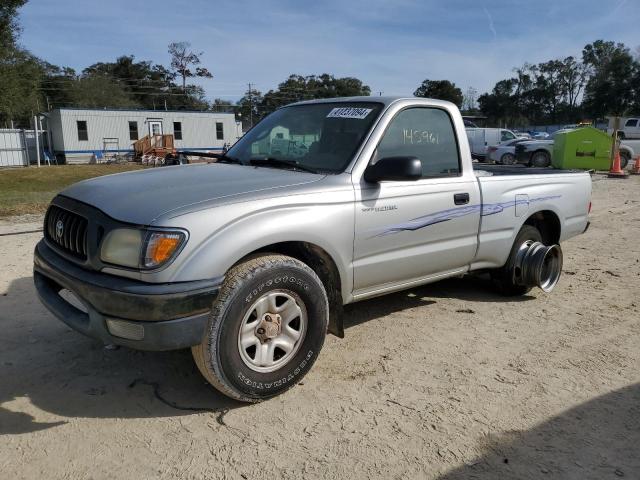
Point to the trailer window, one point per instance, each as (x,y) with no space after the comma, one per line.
(219,131)
(83,134)
(425,133)
(133,130)
(177,130)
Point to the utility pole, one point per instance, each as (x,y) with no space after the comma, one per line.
(250,107)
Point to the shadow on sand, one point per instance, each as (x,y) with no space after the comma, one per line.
(69,375)
(598,439)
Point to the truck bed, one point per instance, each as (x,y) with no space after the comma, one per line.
(497,170)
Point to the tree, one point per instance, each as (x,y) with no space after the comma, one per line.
(20,75)
(441,90)
(220,105)
(9,28)
(470,100)
(183,58)
(249,107)
(150,85)
(96,91)
(500,104)
(610,88)
(297,88)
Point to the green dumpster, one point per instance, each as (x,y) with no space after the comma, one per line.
(584,148)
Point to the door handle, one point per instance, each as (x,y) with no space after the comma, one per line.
(461,198)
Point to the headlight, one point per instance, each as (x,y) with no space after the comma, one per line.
(144,249)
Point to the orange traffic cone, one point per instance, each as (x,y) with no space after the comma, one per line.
(636,166)
(616,171)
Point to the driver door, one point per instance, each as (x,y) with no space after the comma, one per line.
(409,231)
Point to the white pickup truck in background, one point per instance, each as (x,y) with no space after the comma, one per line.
(629,128)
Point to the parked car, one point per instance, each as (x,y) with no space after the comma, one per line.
(482,138)
(248,261)
(538,153)
(539,135)
(520,134)
(505,153)
(629,129)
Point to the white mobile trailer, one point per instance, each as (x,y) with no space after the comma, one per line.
(82,134)
(482,138)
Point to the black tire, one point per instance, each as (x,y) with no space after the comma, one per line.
(540,159)
(624,159)
(218,357)
(503,277)
(508,159)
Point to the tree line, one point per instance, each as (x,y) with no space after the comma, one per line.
(604,80)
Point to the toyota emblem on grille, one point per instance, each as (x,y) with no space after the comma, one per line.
(59,229)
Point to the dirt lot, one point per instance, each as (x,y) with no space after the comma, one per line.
(445,381)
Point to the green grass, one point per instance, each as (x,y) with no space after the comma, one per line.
(29,190)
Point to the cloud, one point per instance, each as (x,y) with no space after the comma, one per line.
(492,29)
(391,46)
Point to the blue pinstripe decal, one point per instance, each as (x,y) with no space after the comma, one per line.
(453,213)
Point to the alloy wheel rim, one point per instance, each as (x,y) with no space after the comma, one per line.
(272,331)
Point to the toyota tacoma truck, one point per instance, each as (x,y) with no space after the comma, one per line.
(249,261)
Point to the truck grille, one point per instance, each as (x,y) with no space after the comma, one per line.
(67,230)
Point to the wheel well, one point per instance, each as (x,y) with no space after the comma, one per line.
(548,224)
(324,266)
(541,150)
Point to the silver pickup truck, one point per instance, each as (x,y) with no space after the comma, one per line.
(250,260)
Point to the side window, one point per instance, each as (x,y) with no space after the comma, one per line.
(219,130)
(83,133)
(133,130)
(177,130)
(632,122)
(506,136)
(425,133)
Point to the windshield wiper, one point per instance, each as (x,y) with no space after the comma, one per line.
(277,162)
(228,159)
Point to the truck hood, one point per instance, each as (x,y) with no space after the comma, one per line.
(537,142)
(141,197)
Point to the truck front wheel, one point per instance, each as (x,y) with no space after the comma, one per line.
(266,329)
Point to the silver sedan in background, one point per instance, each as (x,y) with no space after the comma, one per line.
(505,153)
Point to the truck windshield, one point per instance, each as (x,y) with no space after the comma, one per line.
(320,137)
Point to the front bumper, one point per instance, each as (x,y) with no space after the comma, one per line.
(121,311)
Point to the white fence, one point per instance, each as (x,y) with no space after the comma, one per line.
(18,147)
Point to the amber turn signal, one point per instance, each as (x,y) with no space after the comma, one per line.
(161,246)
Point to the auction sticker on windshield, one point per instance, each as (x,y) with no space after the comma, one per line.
(349,112)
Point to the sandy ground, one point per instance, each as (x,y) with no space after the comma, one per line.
(445,381)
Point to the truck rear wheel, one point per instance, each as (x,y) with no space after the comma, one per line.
(266,329)
(540,159)
(624,159)
(503,277)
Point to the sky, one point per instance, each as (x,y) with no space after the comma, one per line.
(392,46)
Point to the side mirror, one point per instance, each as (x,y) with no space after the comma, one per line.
(394,168)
